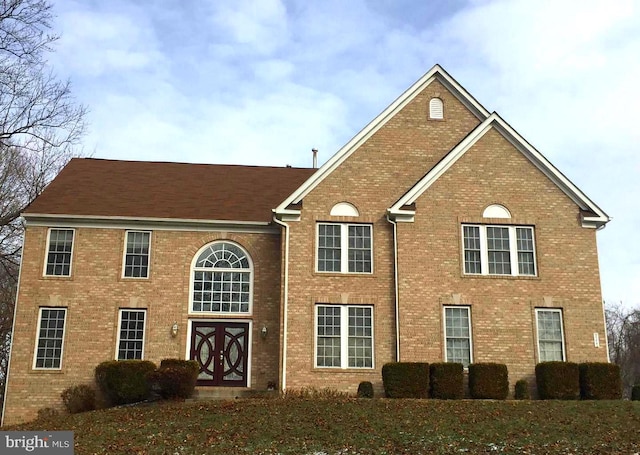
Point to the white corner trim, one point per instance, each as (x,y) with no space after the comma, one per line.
(341,155)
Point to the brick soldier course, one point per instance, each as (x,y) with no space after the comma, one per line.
(411,180)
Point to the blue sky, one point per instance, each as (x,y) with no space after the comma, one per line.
(262,82)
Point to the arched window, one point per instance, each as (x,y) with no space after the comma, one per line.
(436,109)
(222,280)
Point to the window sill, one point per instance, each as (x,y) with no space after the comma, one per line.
(46,371)
(57,277)
(501,277)
(343,370)
(209,315)
(348,274)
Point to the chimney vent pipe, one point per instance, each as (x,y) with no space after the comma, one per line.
(315,157)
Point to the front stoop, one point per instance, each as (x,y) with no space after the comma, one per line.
(228,393)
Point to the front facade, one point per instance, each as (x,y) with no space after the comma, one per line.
(436,234)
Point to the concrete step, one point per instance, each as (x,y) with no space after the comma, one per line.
(229,393)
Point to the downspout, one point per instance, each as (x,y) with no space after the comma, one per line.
(285,298)
(396,286)
(606,332)
(13,332)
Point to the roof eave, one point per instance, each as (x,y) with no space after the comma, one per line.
(39,218)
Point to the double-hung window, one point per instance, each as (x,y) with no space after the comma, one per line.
(50,341)
(550,335)
(131,334)
(59,251)
(136,255)
(458,335)
(344,336)
(498,250)
(344,248)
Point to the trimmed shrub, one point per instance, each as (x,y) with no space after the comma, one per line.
(47,414)
(406,380)
(124,381)
(365,390)
(521,391)
(488,381)
(79,398)
(558,380)
(175,378)
(635,393)
(600,381)
(447,381)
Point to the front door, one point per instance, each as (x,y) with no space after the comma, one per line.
(221,350)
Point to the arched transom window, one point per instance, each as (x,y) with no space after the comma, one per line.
(222,280)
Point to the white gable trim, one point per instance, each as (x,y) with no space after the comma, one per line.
(435,73)
(536,158)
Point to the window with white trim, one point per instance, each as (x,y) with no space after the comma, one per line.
(59,250)
(222,280)
(458,335)
(344,336)
(498,250)
(50,339)
(136,254)
(131,334)
(344,248)
(550,335)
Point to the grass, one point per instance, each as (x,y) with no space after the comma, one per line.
(356,426)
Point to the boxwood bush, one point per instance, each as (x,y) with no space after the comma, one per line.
(447,381)
(124,381)
(488,381)
(365,390)
(521,391)
(79,398)
(175,378)
(558,380)
(600,381)
(406,380)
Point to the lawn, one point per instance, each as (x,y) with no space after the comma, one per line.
(356,426)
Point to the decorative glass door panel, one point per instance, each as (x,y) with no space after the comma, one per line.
(221,350)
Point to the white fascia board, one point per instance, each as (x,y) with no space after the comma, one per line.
(121,222)
(341,155)
(534,156)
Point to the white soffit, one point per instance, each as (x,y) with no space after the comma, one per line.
(435,73)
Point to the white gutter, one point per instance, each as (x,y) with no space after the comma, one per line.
(395,279)
(13,332)
(285,302)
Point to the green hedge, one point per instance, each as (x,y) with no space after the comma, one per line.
(124,381)
(600,381)
(447,381)
(521,391)
(175,378)
(488,381)
(365,390)
(558,380)
(406,380)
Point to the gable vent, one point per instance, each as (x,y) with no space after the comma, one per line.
(436,109)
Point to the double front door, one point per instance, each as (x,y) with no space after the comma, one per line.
(221,350)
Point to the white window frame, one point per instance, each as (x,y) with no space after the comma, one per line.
(344,247)
(124,255)
(194,269)
(144,330)
(46,252)
(444,325)
(344,337)
(37,344)
(562,341)
(513,249)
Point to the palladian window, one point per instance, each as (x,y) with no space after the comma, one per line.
(222,280)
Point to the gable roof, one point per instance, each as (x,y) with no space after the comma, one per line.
(288,209)
(591,214)
(136,190)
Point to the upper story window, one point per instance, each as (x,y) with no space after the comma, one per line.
(344,248)
(436,109)
(59,252)
(136,254)
(498,250)
(344,336)
(131,334)
(550,335)
(222,279)
(50,338)
(458,335)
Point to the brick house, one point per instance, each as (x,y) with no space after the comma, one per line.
(436,234)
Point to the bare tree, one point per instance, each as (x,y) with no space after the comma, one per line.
(623,334)
(40,126)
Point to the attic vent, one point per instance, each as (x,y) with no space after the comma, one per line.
(436,109)
(496,211)
(344,209)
